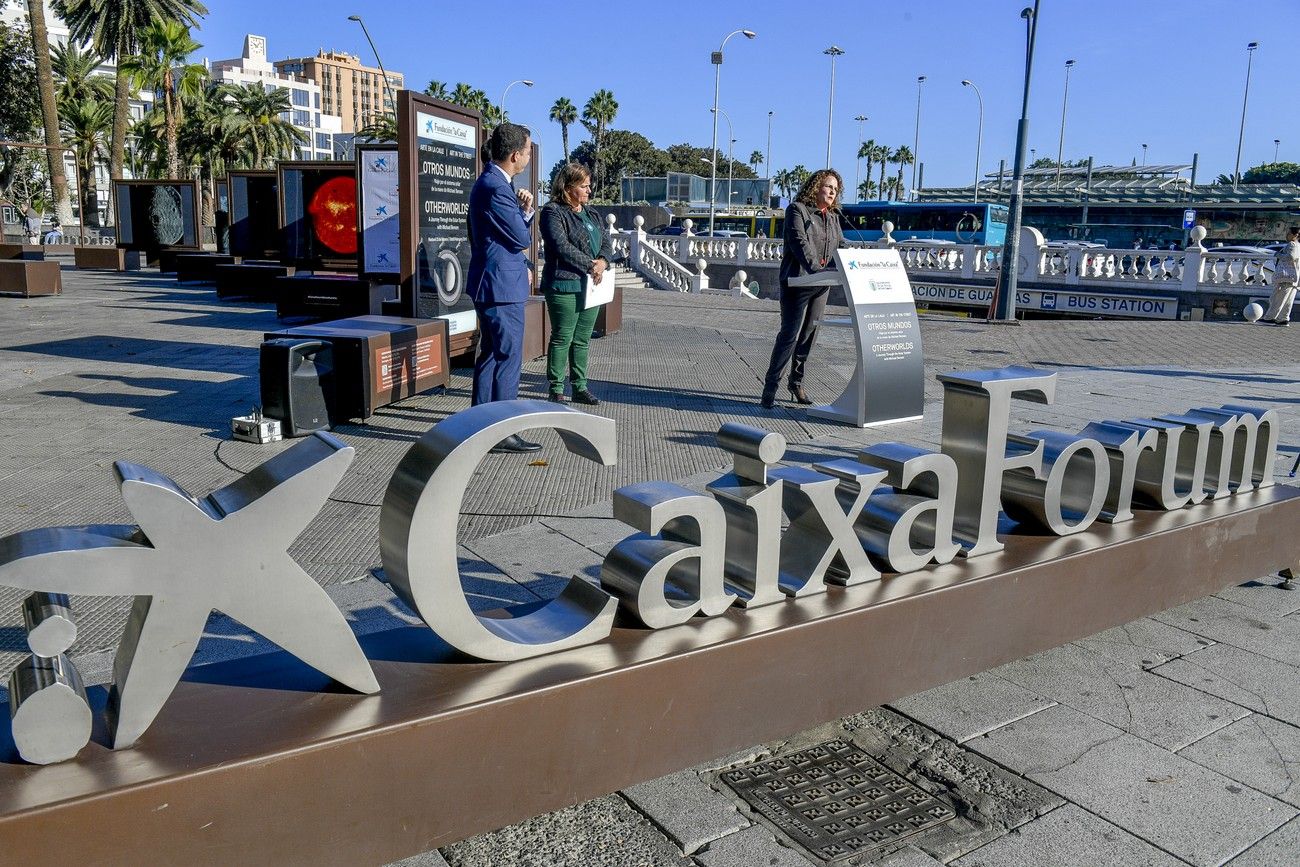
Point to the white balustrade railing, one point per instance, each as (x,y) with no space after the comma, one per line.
(1191,270)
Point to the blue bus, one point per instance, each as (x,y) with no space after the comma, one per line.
(960,223)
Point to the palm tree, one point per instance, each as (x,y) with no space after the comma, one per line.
(799,176)
(49,110)
(161,66)
(463,95)
(75,72)
(756,160)
(87,124)
(867,151)
(273,137)
(215,137)
(564,113)
(902,156)
(882,157)
(867,189)
(597,114)
(437,89)
(113,30)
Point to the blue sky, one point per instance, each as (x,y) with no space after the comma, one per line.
(1168,74)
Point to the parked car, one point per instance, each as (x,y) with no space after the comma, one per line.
(665,229)
(1240,248)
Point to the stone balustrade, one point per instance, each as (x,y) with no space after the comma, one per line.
(1196,269)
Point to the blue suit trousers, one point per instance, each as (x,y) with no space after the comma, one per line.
(500,352)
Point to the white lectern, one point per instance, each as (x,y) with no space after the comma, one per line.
(888,383)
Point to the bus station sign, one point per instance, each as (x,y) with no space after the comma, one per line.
(1065,301)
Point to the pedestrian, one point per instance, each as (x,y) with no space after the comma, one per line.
(55,234)
(499,280)
(577,249)
(813,232)
(32,223)
(1286,272)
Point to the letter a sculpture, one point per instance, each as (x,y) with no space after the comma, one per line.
(227,551)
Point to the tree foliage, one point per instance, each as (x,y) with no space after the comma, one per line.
(1272,173)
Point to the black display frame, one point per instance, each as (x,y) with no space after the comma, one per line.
(151,250)
(340,262)
(271,251)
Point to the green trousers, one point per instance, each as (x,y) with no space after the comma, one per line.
(570,339)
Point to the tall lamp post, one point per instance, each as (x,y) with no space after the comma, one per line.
(768,158)
(979,133)
(501,106)
(731,163)
(1276,142)
(388,88)
(857,163)
(1241,134)
(1065,100)
(916,137)
(833,52)
(1144,156)
(1005,307)
(716,59)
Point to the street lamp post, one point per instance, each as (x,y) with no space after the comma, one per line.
(388,88)
(768,159)
(1276,142)
(501,106)
(1144,156)
(857,163)
(979,134)
(1065,100)
(1236,172)
(916,137)
(1005,306)
(716,59)
(834,51)
(731,163)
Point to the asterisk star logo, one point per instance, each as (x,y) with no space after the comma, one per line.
(227,551)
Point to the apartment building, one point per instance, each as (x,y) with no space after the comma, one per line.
(350,90)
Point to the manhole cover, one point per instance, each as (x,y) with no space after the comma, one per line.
(835,800)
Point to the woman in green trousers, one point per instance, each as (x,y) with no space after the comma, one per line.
(576,247)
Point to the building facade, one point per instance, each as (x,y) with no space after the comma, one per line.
(308,114)
(353,92)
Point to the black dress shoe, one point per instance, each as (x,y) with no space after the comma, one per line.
(769,398)
(515,444)
(558,397)
(585,396)
(798,395)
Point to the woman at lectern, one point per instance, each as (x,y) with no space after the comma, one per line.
(577,247)
(813,231)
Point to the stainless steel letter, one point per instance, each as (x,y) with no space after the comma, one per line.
(666,580)
(910,524)
(821,543)
(752,505)
(976,414)
(1066,499)
(1123,444)
(417,532)
(50,716)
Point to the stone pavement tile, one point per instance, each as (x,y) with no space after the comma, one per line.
(988,800)
(972,706)
(751,847)
(432,858)
(1153,708)
(1276,850)
(687,809)
(1269,635)
(1068,836)
(1263,594)
(1171,802)
(605,832)
(1260,752)
(538,557)
(1143,643)
(1263,685)
(908,856)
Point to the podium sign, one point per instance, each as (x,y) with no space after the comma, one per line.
(888,383)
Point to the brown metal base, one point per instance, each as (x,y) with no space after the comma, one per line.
(105,259)
(30,278)
(249,763)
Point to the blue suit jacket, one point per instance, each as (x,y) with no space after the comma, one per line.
(498,233)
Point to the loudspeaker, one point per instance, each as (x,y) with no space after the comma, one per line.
(298,384)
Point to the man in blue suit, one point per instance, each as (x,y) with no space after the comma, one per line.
(498,279)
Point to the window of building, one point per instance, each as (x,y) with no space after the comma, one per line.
(300,97)
(315,100)
(323,141)
(302,118)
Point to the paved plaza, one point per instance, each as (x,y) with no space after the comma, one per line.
(1172,740)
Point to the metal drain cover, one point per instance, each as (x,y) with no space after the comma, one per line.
(835,800)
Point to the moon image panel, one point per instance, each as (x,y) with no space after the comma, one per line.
(165,215)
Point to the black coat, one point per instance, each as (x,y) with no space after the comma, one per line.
(567,246)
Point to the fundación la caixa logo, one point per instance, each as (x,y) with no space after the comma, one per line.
(761,534)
